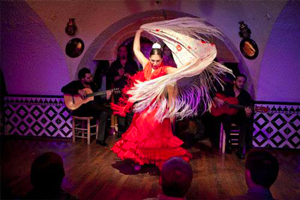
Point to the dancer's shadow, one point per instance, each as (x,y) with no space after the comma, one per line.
(202,146)
(188,139)
(127,167)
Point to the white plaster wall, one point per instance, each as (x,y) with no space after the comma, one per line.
(93,17)
(280,69)
(32,62)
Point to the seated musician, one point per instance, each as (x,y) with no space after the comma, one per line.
(96,107)
(243,117)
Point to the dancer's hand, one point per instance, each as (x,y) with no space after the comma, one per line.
(172,120)
(121,72)
(108,94)
(137,48)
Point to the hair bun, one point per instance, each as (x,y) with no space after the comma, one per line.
(156,46)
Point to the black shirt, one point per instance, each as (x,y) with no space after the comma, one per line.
(74,86)
(130,68)
(244,97)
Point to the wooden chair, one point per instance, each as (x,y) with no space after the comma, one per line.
(82,128)
(234,137)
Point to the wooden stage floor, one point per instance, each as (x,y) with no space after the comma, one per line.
(95,172)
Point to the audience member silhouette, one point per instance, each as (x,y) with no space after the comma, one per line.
(261,172)
(175,180)
(47,173)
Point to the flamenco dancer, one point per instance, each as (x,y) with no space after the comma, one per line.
(159,93)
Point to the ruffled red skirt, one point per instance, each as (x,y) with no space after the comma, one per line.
(149,142)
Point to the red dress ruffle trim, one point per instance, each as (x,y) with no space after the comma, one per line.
(152,144)
(124,106)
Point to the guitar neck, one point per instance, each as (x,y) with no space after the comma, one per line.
(96,94)
(101,92)
(237,106)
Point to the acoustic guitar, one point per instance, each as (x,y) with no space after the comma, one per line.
(75,101)
(231,106)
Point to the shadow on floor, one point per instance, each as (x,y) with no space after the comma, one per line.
(127,167)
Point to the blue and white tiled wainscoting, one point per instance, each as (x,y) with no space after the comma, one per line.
(277,125)
(37,116)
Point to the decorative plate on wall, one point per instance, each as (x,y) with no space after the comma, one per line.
(249,48)
(74,48)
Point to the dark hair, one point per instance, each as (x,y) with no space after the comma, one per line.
(156,52)
(263,168)
(101,70)
(83,72)
(47,171)
(122,45)
(176,176)
(165,46)
(241,75)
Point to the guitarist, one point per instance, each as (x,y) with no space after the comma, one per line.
(92,108)
(243,118)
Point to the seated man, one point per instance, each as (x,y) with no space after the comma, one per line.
(47,173)
(261,172)
(92,108)
(243,118)
(175,180)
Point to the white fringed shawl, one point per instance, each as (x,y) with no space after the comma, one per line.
(187,38)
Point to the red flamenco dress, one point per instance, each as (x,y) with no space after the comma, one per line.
(147,141)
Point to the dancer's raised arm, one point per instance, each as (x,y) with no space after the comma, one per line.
(172,70)
(137,48)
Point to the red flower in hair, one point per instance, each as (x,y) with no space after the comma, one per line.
(157,29)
